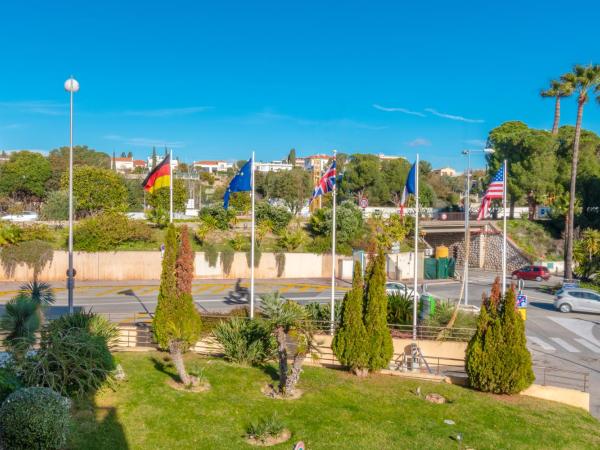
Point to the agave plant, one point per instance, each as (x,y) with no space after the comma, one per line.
(39,292)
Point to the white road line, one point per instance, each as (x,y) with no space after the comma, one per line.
(540,342)
(589,345)
(568,347)
(582,328)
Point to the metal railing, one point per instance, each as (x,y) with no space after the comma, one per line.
(552,376)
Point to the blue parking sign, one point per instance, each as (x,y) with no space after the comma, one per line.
(521,300)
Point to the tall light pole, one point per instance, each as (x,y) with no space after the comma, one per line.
(71,86)
(467,203)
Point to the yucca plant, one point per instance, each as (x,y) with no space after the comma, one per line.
(245,341)
(38,291)
(21,321)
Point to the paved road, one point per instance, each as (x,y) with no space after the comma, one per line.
(121,299)
(565,341)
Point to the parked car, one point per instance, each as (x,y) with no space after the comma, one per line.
(395,287)
(25,216)
(584,300)
(537,273)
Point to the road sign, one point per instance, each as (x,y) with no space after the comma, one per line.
(571,284)
(364,202)
(522,301)
(299,446)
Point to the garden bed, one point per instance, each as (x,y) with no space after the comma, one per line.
(336,411)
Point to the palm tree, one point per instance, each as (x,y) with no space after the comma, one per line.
(557,90)
(38,291)
(21,321)
(289,324)
(582,80)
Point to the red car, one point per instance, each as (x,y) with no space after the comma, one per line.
(537,273)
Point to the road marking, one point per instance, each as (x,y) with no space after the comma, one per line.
(540,342)
(568,347)
(589,345)
(581,328)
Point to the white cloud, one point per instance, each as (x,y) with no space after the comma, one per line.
(419,142)
(452,116)
(167,112)
(144,142)
(44,107)
(11,126)
(401,110)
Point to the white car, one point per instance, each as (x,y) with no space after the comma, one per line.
(25,216)
(395,287)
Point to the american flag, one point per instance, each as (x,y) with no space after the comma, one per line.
(494,191)
(326,183)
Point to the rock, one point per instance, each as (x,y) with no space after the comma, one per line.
(435,398)
(120,373)
(449,422)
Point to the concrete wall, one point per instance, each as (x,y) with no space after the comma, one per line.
(147,266)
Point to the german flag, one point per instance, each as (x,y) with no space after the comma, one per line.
(159,177)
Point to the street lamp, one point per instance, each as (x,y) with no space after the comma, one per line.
(467,203)
(71,86)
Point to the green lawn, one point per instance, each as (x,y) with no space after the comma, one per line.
(337,411)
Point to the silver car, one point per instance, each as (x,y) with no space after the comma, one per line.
(584,300)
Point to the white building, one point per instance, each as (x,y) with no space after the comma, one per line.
(159,158)
(273,166)
(383,157)
(123,165)
(317,162)
(446,171)
(212,166)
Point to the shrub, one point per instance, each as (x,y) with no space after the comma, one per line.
(245,341)
(278,216)
(71,360)
(9,382)
(290,240)
(380,346)
(34,418)
(321,312)
(217,216)
(56,206)
(107,231)
(94,324)
(497,359)
(265,428)
(37,232)
(34,254)
(350,340)
(400,309)
(9,234)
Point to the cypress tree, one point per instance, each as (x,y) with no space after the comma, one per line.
(350,341)
(497,359)
(176,322)
(379,340)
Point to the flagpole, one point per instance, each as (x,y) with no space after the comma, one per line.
(504,231)
(171,186)
(252,248)
(333,192)
(415,261)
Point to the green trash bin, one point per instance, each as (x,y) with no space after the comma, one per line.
(442,268)
(430,266)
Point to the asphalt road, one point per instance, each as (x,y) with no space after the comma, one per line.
(570,342)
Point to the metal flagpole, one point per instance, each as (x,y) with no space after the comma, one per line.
(70,278)
(416,265)
(252,248)
(467,208)
(504,231)
(333,227)
(171,186)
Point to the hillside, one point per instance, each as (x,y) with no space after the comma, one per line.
(538,239)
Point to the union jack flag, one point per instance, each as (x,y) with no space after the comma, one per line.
(494,191)
(326,183)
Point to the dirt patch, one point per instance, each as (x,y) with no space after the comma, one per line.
(272,392)
(202,387)
(284,436)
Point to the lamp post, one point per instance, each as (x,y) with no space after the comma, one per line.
(71,86)
(467,202)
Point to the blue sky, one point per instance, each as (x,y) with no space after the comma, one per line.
(219,79)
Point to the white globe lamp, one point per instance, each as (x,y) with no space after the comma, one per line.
(71,85)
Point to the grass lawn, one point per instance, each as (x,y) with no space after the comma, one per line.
(337,411)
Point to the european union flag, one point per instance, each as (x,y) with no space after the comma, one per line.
(240,183)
